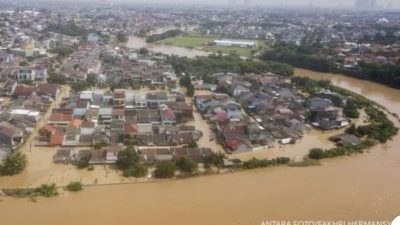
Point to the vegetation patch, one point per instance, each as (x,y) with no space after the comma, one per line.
(162,36)
(45,190)
(74,186)
(129,162)
(206,65)
(308,57)
(305,163)
(13,164)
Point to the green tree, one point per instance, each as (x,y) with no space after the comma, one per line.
(127,158)
(91,79)
(316,153)
(165,169)
(143,51)
(56,79)
(80,85)
(137,170)
(121,37)
(352,129)
(350,110)
(83,162)
(190,91)
(47,190)
(186,165)
(23,63)
(215,160)
(74,186)
(13,164)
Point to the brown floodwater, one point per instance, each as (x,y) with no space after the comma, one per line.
(365,186)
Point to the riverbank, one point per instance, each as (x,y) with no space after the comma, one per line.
(276,193)
(362,186)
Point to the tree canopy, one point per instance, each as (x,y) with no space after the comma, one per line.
(165,169)
(13,164)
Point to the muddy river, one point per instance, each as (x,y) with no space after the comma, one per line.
(364,187)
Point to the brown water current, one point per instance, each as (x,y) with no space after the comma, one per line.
(365,186)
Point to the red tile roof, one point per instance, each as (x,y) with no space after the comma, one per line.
(48,89)
(60,117)
(56,139)
(131,128)
(119,94)
(168,114)
(24,90)
(117,112)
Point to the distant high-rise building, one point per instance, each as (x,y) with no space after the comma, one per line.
(365,4)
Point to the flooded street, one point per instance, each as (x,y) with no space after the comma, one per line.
(365,186)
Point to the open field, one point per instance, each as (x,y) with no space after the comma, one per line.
(201,42)
(190,41)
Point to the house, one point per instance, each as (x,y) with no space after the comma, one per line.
(140,100)
(81,108)
(168,116)
(26,73)
(239,90)
(119,99)
(52,90)
(105,115)
(180,138)
(196,154)
(10,135)
(346,139)
(235,43)
(131,131)
(26,115)
(87,127)
(154,100)
(238,145)
(257,134)
(59,119)
(152,154)
(328,119)
(112,153)
(63,156)
(234,110)
(118,114)
(337,99)
(86,95)
(182,110)
(56,139)
(152,139)
(24,91)
(72,136)
(97,157)
(316,103)
(8,87)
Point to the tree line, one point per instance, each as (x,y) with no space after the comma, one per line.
(387,74)
(215,63)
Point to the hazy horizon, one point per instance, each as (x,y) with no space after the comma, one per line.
(380,4)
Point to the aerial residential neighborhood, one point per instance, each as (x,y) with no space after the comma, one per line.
(199,112)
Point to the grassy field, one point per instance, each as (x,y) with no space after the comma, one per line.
(190,41)
(202,42)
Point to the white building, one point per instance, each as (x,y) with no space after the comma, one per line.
(235,43)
